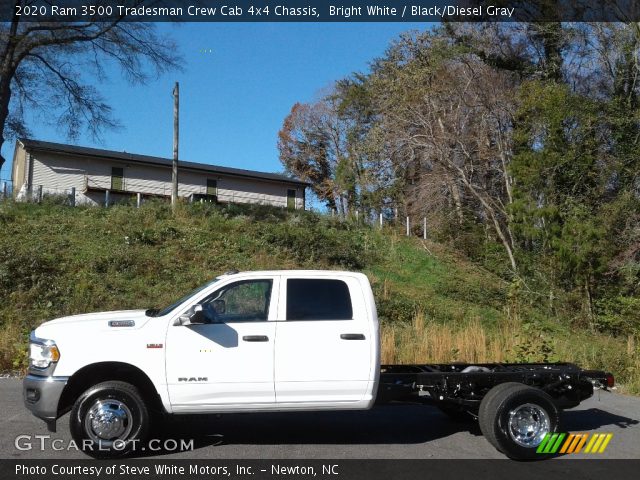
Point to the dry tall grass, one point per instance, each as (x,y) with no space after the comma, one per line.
(427,341)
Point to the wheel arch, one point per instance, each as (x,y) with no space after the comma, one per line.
(95,373)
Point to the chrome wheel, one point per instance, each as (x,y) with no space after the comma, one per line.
(108,421)
(528,425)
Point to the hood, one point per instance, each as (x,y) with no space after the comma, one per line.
(99,320)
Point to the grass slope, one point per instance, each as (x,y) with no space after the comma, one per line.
(434,305)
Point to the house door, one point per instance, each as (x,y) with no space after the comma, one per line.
(212,190)
(117,179)
(291,199)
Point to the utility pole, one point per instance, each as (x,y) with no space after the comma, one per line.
(176,135)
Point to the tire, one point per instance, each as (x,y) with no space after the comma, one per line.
(498,415)
(490,404)
(126,424)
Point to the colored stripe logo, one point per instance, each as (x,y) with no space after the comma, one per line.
(574,443)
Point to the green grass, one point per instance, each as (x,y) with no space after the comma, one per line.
(56,260)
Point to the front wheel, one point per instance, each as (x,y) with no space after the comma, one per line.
(109,420)
(515,419)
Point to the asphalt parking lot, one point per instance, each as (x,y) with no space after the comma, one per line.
(386,432)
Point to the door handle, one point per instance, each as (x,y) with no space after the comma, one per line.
(255,338)
(352,336)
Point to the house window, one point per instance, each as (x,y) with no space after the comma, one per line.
(117,178)
(212,187)
(291,199)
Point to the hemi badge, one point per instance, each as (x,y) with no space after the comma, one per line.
(122,323)
(154,345)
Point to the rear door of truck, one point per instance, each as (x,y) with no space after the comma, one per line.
(323,345)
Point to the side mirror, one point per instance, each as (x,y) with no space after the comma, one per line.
(195,316)
(198,317)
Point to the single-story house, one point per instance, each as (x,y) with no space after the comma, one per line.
(54,168)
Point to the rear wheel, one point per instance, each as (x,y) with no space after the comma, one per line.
(515,418)
(110,420)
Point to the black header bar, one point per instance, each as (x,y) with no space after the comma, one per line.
(327,469)
(320,10)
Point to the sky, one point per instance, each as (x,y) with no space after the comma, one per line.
(239,83)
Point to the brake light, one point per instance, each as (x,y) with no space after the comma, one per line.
(610,380)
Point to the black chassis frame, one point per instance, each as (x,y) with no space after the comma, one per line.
(447,386)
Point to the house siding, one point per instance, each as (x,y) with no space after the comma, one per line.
(91,176)
(57,174)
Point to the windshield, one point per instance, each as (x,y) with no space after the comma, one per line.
(154,312)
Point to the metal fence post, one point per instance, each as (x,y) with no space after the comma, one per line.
(380,220)
(73,197)
(107,194)
(357,216)
(408,227)
(39,194)
(4,190)
(424,228)
(138,200)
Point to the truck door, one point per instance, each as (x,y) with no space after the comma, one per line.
(227,362)
(323,351)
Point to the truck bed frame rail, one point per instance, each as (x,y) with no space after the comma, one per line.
(463,385)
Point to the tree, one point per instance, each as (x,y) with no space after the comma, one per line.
(314,145)
(559,181)
(452,115)
(529,49)
(337,144)
(303,146)
(520,143)
(374,183)
(43,67)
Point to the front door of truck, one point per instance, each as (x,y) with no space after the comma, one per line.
(226,362)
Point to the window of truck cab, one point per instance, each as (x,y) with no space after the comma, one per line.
(241,301)
(318,299)
(167,310)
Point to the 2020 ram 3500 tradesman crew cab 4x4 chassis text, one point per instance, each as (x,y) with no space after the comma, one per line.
(271,341)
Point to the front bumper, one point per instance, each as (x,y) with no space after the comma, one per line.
(41,395)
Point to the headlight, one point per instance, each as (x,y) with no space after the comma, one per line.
(42,353)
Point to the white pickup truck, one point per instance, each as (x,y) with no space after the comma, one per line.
(271,341)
